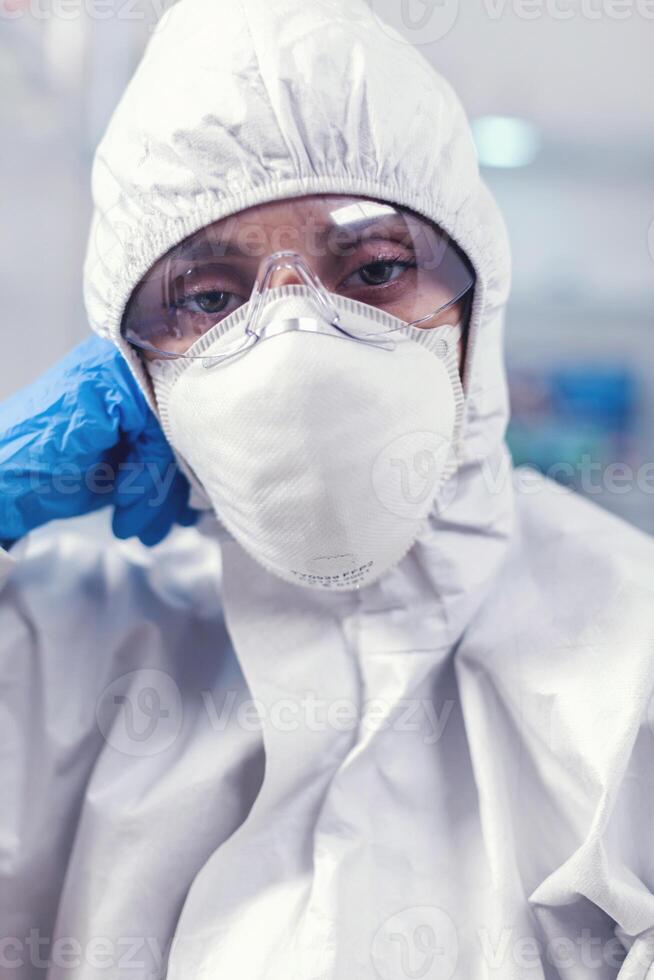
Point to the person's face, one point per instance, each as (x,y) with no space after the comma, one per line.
(357,248)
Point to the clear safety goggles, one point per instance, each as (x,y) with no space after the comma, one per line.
(366,251)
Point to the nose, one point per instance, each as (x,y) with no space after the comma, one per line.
(285,277)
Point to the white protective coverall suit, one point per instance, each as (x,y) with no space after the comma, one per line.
(490,812)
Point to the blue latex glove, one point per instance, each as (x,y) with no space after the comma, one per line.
(83,437)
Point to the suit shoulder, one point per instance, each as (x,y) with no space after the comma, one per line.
(75,577)
(557,524)
(574,574)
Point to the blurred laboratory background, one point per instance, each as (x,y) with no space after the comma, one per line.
(561,97)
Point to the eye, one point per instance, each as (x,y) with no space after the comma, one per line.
(204,292)
(379,273)
(212,301)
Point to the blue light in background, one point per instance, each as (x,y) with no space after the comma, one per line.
(561,415)
(505,141)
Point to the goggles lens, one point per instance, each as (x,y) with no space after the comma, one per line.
(364,250)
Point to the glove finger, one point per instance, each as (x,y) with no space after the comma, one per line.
(150,515)
(166,517)
(188,516)
(58,434)
(156,532)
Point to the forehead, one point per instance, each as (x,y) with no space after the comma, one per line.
(320,209)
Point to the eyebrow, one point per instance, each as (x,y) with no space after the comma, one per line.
(207,249)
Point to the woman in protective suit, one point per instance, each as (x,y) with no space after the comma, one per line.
(377,706)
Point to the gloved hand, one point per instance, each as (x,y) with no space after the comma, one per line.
(83,437)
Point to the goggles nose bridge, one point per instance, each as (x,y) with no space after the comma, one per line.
(289,261)
(283,269)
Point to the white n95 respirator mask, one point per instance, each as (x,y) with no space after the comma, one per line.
(320,450)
